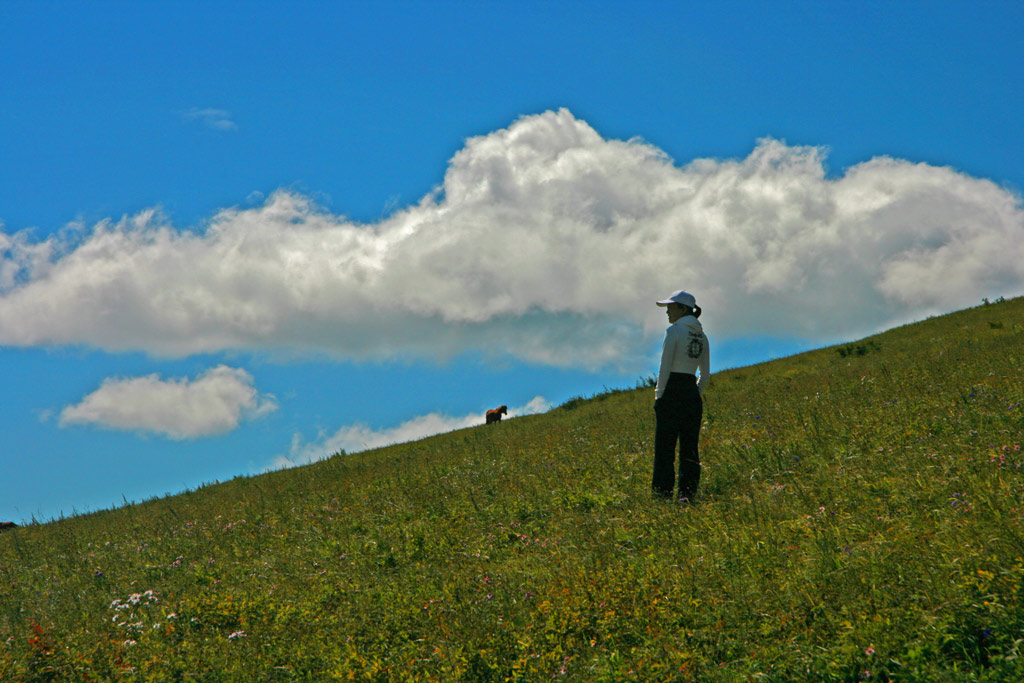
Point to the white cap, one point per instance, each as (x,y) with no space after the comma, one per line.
(680,297)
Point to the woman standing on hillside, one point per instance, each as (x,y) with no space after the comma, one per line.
(678,406)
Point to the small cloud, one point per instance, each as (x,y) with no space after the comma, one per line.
(539,404)
(355,438)
(215,119)
(214,403)
(391,205)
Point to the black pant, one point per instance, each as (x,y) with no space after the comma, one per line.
(679,412)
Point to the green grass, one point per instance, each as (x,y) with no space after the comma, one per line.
(860,519)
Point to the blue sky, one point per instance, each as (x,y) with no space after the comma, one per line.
(236,236)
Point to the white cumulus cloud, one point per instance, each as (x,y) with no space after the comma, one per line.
(355,438)
(546,242)
(214,403)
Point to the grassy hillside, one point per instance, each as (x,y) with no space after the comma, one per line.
(861,519)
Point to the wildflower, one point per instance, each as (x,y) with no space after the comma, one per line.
(870,651)
(129,643)
(237,634)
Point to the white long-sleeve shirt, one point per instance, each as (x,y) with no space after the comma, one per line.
(685,350)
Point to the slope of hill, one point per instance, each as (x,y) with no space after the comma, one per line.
(860,519)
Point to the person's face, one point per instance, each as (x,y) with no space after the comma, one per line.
(675,312)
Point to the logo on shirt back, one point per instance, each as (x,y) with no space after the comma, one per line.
(695,347)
